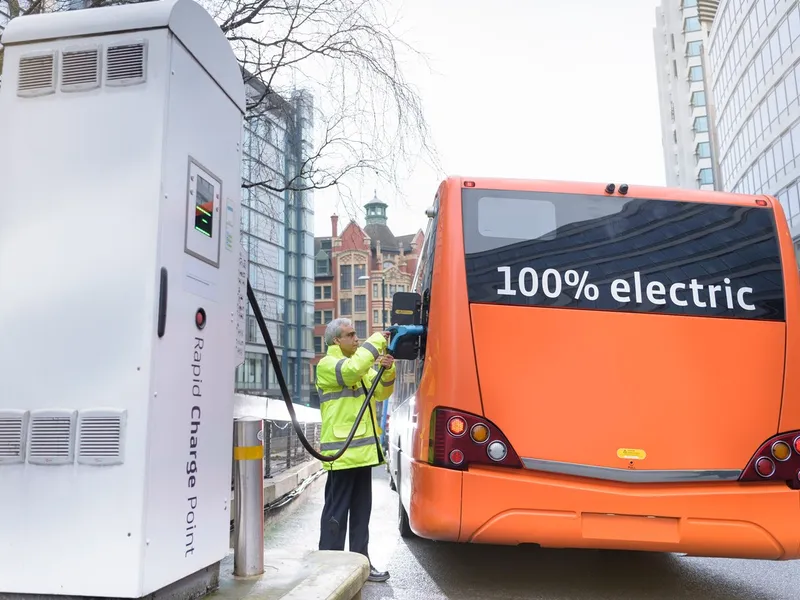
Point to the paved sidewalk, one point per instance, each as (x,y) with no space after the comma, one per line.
(294,569)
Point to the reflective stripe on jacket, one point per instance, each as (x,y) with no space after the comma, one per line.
(339,381)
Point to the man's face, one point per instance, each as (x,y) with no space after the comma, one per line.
(348,341)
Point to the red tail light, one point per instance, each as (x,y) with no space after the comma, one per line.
(778,459)
(461,439)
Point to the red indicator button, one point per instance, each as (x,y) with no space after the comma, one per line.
(200,318)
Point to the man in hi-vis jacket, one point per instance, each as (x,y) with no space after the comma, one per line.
(344,375)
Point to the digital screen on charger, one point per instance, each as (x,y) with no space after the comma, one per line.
(204,207)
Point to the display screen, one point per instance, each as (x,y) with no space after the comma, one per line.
(204,207)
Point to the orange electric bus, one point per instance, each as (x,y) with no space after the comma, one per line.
(603,366)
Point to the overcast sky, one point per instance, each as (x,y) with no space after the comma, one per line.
(530,89)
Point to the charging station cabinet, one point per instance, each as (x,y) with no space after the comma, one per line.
(119,269)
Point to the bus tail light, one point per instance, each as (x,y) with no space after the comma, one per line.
(778,459)
(461,439)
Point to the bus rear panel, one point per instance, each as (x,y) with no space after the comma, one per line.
(631,313)
(630,357)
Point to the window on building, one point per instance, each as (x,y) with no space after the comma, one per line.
(783,198)
(317,344)
(346,277)
(322,266)
(360,271)
(289,373)
(701,124)
(703,150)
(706,177)
(361,303)
(328,316)
(694,48)
(345,307)
(317,317)
(797,250)
(326,293)
(250,374)
(376,290)
(698,99)
(689,3)
(361,329)
(317,292)
(696,73)
(691,24)
(376,316)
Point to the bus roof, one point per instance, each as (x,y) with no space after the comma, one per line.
(634,190)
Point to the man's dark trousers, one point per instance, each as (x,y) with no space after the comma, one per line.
(347,491)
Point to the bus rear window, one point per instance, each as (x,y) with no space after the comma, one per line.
(623,254)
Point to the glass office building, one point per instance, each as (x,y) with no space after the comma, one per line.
(277,233)
(754,50)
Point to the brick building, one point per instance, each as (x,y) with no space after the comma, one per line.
(354,268)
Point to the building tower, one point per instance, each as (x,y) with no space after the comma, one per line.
(376,211)
(687,132)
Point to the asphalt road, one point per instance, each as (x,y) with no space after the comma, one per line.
(428,570)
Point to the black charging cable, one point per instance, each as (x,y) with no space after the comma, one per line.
(288,399)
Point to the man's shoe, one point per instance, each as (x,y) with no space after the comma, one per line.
(375,575)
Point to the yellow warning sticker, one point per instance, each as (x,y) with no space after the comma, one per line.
(403,311)
(631,454)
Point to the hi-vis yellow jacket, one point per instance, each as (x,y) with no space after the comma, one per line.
(339,381)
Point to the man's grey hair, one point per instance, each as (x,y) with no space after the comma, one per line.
(334,329)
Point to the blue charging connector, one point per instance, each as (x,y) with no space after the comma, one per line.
(398,333)
(401,331)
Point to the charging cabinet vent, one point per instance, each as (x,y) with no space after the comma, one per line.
(13,426)
(51,440)
(101,437)
(125,64)
(80,69)
(37,74)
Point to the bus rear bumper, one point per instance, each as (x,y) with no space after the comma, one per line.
(732,520)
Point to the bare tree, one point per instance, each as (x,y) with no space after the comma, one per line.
(368,118)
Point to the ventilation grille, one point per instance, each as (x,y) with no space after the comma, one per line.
(80,69)
(51,437)
(12,436)
(125,64)
(100,437)
(37,75)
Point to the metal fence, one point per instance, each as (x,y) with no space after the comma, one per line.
(282,447)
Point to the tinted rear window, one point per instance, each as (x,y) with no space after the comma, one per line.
(622,254)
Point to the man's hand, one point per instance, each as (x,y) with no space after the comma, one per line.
(386,361)
(387,335)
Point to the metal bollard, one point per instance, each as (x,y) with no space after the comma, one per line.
(248,486)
